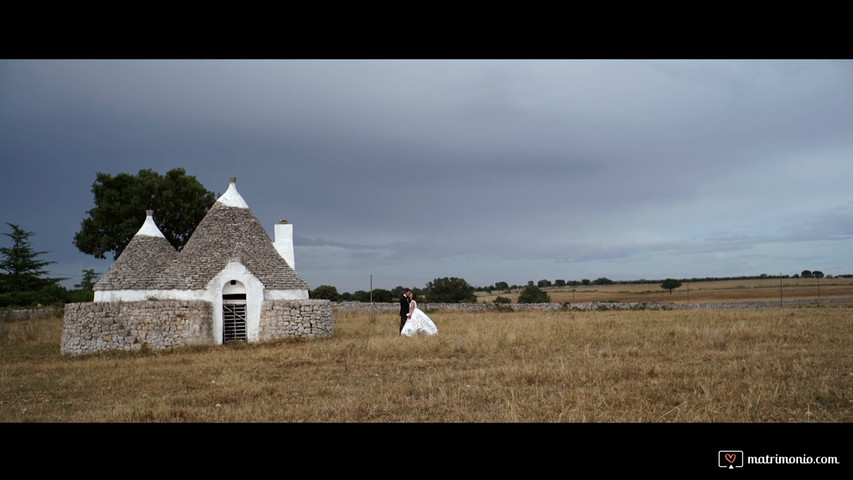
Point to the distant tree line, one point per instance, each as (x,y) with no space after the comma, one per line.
(504,286)
(439,290)
(457,290)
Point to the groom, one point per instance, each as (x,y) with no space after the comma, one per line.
(404,307)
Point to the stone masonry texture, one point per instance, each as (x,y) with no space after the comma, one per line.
(103,326)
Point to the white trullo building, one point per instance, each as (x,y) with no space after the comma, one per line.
(229,282)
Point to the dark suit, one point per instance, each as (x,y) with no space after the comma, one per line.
(404,311)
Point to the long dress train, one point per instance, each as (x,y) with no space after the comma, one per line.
(420,323)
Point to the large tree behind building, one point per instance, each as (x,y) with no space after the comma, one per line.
(178,200)
(24,270)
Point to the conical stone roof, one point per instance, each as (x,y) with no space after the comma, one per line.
(142,262)
(229,232)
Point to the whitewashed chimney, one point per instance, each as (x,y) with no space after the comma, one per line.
(284,241)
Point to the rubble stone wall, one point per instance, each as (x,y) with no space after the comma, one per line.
(296,319)
(103,326)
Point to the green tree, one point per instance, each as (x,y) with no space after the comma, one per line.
(450,290)
(179,203)
(817,274)
(381,295)
(24,270)
(670,284)
(806,274)
(397,292)
(360,296)
(52,295)
(90,277)
(602,281)
(501,286)
(543,283)
(559,282)
(326,292)
(534,294)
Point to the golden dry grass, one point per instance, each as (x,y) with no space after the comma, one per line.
(712,291)
(792,364)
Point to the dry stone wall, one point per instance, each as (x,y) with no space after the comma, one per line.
(296,319)
(28,313)
(546,307)
(452,307)
(103,326)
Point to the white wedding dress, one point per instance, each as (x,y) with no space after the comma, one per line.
(419,323)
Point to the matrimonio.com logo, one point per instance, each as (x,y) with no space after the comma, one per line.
(730,459)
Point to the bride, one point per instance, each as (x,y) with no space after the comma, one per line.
(419,322)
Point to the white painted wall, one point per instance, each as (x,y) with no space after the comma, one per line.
(254,296)
(285,294)
(139,295)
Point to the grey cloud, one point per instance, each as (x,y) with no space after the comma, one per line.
(480,166)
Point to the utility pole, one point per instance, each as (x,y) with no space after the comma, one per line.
(371,288)
(818,288)
(780,289)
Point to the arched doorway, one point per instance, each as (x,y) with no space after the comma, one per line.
(233,312)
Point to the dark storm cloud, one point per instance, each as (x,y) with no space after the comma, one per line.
(412,169)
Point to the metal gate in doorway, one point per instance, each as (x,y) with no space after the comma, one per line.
(233,318)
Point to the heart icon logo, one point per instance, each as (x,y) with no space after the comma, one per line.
(730,457)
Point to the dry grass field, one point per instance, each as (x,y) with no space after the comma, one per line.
(791,364)
(711,291)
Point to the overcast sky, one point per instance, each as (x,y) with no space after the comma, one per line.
(488,170)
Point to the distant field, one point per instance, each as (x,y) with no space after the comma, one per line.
(696,292)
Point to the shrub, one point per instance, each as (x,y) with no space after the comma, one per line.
(533,294)
(380,295)
(326,292)
(81,296)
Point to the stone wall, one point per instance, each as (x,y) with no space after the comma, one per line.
(102,326)
(585,306)
(453,307)
(296,319)
(28,313)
